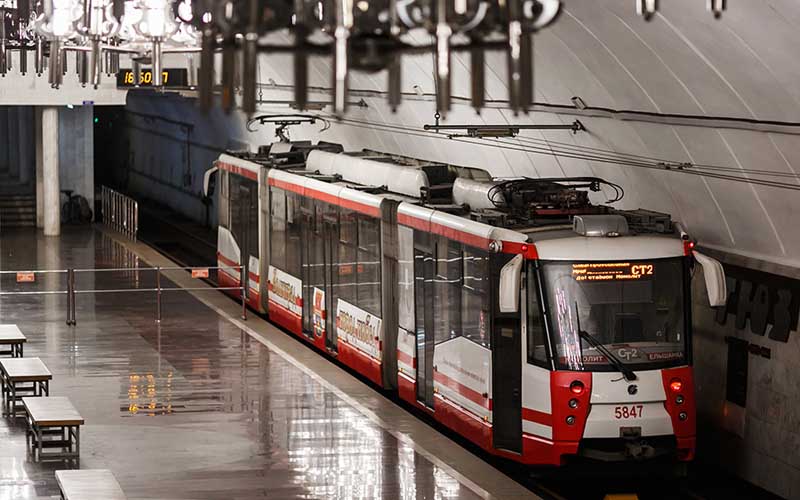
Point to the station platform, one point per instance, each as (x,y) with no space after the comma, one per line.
(204,405)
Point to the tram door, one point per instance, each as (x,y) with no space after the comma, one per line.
(330,233)
(247,209)
(424,251)
(507,380)
(309,249)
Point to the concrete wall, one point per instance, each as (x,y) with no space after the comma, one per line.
(681,63)
(760,440)
(17,151)
(168,147)
(76,150)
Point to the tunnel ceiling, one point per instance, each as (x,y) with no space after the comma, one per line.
(740,193)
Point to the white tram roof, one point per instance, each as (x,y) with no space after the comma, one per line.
(455,226)
(333,193)
(395,178)
(237,163)
(632,247)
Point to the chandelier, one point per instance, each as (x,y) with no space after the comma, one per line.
(363,35)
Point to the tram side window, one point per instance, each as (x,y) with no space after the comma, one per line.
(244,214)
(238,203)
(405,238)
(537,351)
(278,228)
(224,199)
(347,255)
(368,269)
(475,301)
(317,242)
(252,244)
(447,290)
(422,271)
(294,222)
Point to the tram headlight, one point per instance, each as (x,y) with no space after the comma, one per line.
(571,420)
(682,415)
(679,400)
(573,403)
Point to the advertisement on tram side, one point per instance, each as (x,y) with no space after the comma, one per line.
(285,291)
(318,312)
(253,273)
(358,328)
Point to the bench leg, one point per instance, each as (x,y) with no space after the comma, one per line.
(28,436)
(39,443)
(12,401)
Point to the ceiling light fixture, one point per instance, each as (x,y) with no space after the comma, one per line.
(578,102)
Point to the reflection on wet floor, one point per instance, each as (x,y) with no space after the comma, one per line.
(192,408)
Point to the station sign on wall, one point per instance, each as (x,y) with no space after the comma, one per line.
(770,302)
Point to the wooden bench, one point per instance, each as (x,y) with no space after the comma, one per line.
(22,377)
(52,423)
(12,337)
(97,484)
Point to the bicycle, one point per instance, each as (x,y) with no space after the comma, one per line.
(76,209)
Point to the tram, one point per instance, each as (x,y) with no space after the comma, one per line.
(516,312)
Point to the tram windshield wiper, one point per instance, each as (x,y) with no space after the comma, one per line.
(612,358)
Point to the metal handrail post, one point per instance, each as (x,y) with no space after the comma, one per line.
(69,300)
(244,296)
(74,300)
(130,218)
(158,295)
(71,297)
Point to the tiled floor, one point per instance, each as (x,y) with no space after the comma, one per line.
(196,408)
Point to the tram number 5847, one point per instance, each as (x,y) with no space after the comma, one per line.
(633,411)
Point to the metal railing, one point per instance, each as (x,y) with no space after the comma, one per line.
(72,291)
(120,212)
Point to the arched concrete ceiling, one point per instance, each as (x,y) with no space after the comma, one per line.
(684,62)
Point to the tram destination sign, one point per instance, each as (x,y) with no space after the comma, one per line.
(172,78)
(612,271)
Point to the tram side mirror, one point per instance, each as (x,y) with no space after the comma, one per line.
(209,182)
(510,278)
(715,279)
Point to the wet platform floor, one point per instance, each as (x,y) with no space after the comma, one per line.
(197,408)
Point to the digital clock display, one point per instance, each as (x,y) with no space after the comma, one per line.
(171,77)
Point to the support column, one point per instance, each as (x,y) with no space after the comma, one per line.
(39,168)
(50,177)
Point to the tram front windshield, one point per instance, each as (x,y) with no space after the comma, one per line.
(636,309)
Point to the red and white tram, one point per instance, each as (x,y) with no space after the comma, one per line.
(515,312)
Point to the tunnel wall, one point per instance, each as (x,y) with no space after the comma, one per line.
(17,151)
(714,94)
(746,375)
(757,440)
(168,145)
(76,151)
